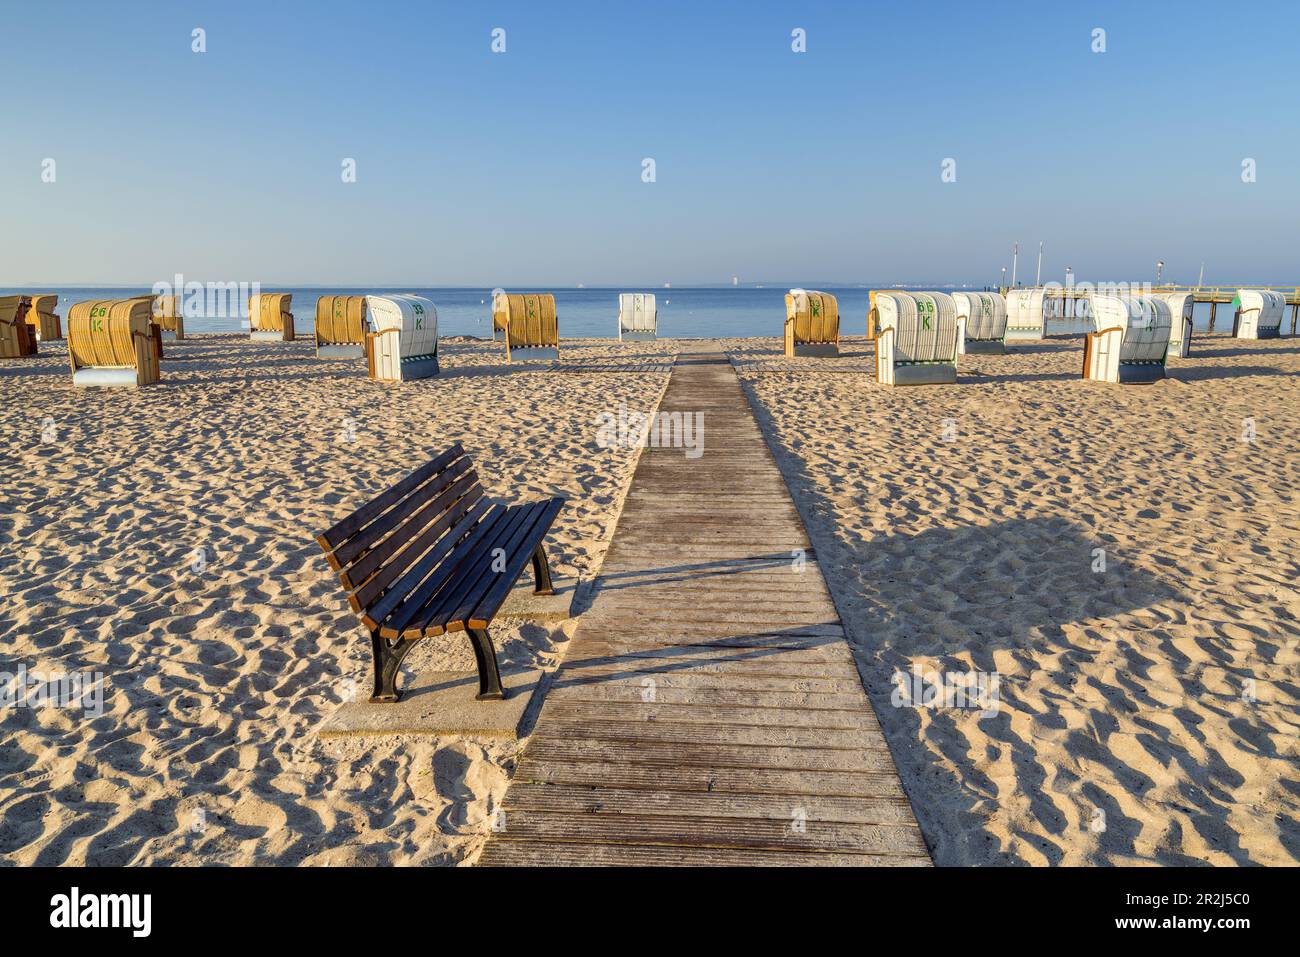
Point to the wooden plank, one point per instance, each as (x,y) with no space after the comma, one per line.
(722,832)
(666,731)
(685,714)
(771,805)
(719,780)
(535,853)
(708,755)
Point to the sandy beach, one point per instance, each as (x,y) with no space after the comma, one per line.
(219,665)
(1146,711)
(958,527)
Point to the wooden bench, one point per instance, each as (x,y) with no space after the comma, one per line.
(431,556)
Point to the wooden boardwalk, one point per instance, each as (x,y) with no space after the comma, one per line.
(708,710)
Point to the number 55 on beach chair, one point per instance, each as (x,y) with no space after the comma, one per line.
(340,327)
(812,324)
(916,338)
(113,342)
(532,330)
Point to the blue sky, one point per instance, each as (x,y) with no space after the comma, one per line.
(525,167)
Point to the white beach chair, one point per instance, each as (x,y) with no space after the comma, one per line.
(1131,341)
(1181,305)
(916,338)
(1024,315)
(981,321)
(402,342)
(638,317)
(1259,315)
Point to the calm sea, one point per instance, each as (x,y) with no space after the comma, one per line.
(684,312)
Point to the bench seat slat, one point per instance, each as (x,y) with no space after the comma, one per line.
(475,559)
(349,526)
(479,576)
(399,593)
(487,607)
(444,570)
(465,486)
(371,588)
(370,536)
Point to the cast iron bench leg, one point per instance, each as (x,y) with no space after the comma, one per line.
(542,573)
(388,657)
(489,679)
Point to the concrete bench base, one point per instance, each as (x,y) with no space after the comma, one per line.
(985,347)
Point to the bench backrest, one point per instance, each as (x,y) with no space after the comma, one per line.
(404,535)
(17,338)
(341,320)
(637,312)
(403,327)
(985,314)
(528,319)
(114,333)
(814,315)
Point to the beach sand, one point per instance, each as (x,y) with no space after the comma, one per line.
(1146,713)
(220,665)
(1149,712)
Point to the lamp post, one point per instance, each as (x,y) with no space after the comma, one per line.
(1004,277)
(1160,270)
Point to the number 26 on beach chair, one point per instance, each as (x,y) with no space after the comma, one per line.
(916,338)
(812,324)
(340,327)
(532,330)
(113,342)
